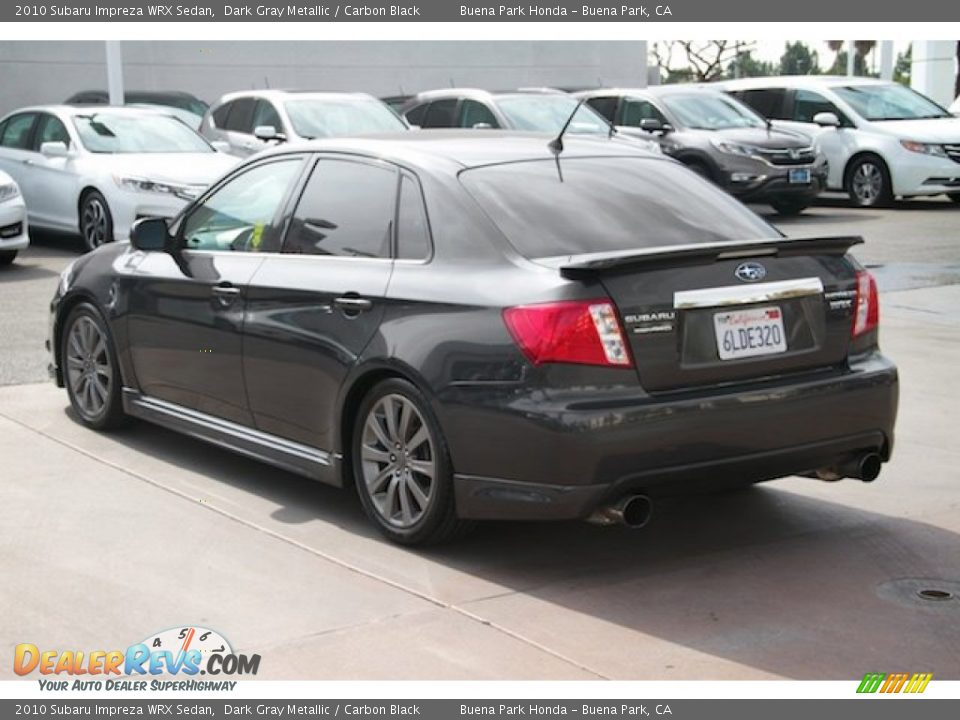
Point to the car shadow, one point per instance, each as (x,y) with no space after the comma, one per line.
(22,270)
(767,578)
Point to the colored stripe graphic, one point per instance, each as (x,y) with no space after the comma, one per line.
(894,683)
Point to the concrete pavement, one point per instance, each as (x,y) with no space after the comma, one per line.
(107,538)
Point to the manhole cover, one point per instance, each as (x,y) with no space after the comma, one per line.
(931,593)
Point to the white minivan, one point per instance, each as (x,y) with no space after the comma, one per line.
(882,139)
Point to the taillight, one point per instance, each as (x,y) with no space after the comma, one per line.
(584,332)
(866,315)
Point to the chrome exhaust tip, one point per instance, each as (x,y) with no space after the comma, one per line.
(632,511)
(866,467)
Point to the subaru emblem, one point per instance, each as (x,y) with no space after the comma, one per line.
(750,271)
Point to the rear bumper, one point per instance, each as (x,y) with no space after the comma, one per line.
(561,460)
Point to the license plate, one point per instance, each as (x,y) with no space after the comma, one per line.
(748,333)
(800,176)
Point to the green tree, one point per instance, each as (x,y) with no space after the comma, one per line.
(798,59)
(901,68)
(746,65)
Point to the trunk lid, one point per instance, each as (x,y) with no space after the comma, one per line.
(728,312)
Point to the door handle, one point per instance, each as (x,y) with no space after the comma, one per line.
(353,305)
(226,294)
(28,162)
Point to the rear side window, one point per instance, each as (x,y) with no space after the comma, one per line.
(441,114)
(220,115)
(347,209)
(606,106)
(766,101)
(607,204)
(16,131)
(241,115)
(413,232)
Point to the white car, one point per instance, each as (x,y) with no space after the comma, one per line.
(98,169)
(14,235)
(955,108)
(882,139)
(252,120)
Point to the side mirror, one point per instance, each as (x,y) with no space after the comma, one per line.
(150,234)
(482,126)
(651,125)
(827,119)
(267,133)
(220,146)
(54,149)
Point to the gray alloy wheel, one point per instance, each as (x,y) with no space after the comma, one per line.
(868,183)
(399,467)
(90,372)
(96,223)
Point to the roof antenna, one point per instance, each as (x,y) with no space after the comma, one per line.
(556,145)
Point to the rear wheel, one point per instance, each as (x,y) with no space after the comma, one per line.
(402,468)
(8,257)
(955,197)
(868,182)
(90,369)
(787,206)
(96,221)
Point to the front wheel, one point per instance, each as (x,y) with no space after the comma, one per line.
(789,207)
(90,369)
(868,182)
(955,197)
(96,221)
(8,257)
(402,468)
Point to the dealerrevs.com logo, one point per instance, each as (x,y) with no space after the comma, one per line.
(187,652)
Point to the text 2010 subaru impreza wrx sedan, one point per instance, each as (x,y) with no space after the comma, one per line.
(481,326)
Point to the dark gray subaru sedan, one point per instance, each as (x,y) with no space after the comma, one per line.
(469,326)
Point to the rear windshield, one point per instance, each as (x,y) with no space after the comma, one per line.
(607,204)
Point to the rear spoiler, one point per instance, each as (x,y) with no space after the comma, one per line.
(581,266)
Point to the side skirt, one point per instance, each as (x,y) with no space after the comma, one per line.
(279,452)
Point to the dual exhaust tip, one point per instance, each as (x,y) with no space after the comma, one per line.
(632,511)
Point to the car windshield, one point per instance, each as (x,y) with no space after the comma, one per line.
(706,111)
(137,133)
(889,102)
(549,113)
(607,204)
(338,117)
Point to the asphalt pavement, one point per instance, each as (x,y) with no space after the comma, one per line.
(109,537)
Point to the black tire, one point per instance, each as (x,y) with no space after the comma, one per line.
(97,400)
(955,197)
(381,468)
(867,182)
(96,220)
(700,169)
(7,257)
(789,206)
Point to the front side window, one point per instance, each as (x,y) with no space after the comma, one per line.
(51,130)
(106,132)
(889,102)
(16,131)
(346,209)
(807,104)
(266,114)
(243,214)
(474,114)
(708,111)
(635,111)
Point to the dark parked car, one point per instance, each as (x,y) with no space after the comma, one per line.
(469,325)
(721,139)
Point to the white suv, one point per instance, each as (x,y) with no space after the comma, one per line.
(882,140)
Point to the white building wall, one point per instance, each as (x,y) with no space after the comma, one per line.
(35,72)
(934,69)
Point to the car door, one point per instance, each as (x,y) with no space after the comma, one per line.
(313,309)
(185,308)
(239,128)
(838,144)
(50,183)
(15,149)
